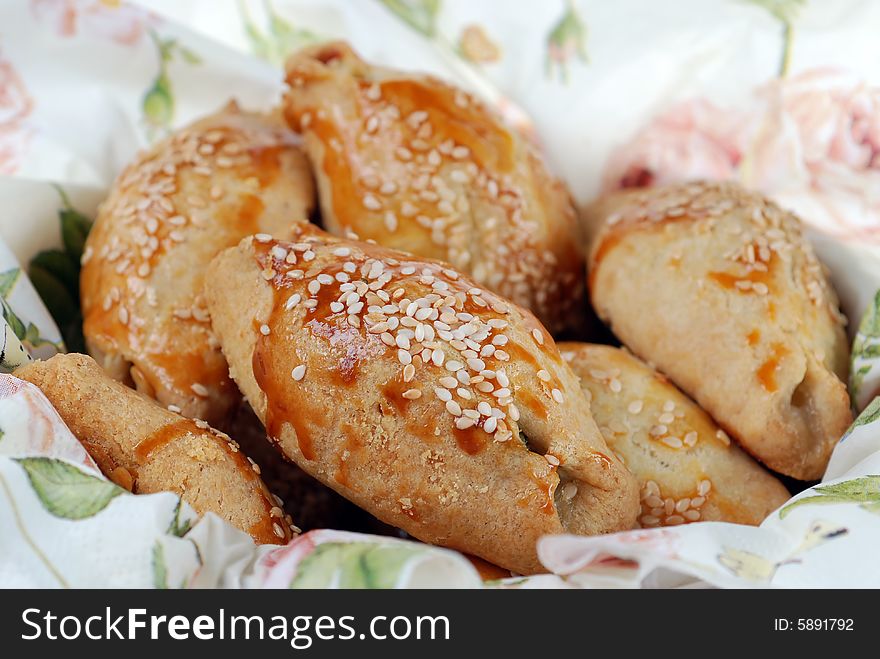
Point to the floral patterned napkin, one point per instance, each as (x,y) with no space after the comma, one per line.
(781,95)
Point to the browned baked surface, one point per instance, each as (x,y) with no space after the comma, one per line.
(174,208)
(439,407)
(145,448)
(718,288)
(311,503)
(687,467)
(417,165)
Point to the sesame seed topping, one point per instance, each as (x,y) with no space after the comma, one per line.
(557,396)
(299,372)
(264,330)
(453,408)
(412,394)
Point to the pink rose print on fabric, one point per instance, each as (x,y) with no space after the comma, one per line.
(694,139)
(569,554)
(817,150)
(105,19)
(811,142)
(15,107)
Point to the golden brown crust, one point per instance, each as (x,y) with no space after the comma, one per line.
(401,385)
(718,288)
(169,213)
(145,448)
(417,165)
(686,466)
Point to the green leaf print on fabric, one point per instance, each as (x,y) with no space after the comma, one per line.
(179,528)
(67,492)
(28,334)
(354,565)
(420,15)
(786,12)
(8,280)
(865,348)
(864,491)
(55,273)
(160,569)
(869,415)
(279,40)
(566,40)
(158,101)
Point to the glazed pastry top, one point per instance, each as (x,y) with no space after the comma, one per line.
(170,211)
(424,167)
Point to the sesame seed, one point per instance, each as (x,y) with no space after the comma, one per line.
(453,365)
(460,152)
(635,407)
(463,422)
(453,408)
(449,382)
(412,394)
(262,237)
(299,372)
(199,389)
(552,459)
(174,408)
(672,442)
(404,357)
(476,364)
(409,372)
(264,330)
(557,396)
(666,418)
(544,375)
(443,394)
(490,425)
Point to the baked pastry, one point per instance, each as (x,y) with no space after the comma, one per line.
(145,448)
(438,407)
(312,504)
(169,213)
(418,165)
(718,288)
(686,466)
